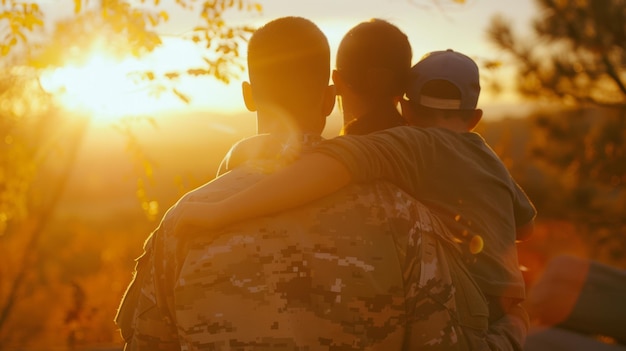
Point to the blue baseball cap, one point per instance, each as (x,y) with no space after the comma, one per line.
(451,66)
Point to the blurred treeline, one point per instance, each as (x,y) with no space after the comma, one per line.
(61,277)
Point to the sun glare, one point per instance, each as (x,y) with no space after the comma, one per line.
(101,88)
(107,89)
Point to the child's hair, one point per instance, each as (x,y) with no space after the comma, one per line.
(374,58)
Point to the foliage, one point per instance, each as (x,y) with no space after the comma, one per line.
(576,58)
(71,292)
(38,147)
(143,164)
(131,29)
(20,18)
(583,151)
(577,54)
(25,119)
(38,144)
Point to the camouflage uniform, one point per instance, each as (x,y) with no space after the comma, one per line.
(368,268)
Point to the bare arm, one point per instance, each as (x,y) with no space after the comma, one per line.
(312,177)
(258,147)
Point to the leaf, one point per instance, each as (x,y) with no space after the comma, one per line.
(172,75)
(197,72)
(149,75)
(181,96)
(21,35)
(31,21)
(154,20)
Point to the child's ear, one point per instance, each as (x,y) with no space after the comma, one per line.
(476,116)
(248,97)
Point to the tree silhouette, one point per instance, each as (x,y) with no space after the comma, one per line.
(576,57)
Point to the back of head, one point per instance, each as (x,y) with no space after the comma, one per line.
(289,64)
(374,57)
(444,81)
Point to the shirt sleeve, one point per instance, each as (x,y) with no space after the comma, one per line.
(143,324)
(523,208)
(394,155)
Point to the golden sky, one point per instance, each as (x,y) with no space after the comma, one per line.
(430,25)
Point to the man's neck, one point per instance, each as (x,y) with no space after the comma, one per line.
(289,127)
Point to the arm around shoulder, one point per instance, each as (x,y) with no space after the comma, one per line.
(312,177)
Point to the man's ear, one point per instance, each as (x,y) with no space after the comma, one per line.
(248,97)
(330,96)
(473,121)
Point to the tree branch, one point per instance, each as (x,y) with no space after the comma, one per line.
(610,70)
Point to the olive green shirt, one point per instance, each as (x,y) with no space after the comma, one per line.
(461,179)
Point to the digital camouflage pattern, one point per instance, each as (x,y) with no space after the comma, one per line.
(368,268)
(144,322)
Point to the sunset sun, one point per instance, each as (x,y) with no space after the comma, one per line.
(101,88)
(106,89)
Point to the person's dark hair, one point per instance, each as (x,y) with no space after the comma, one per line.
(445,90)
(289,63)
(374,57)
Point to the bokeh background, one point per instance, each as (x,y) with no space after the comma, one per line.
(110,110)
